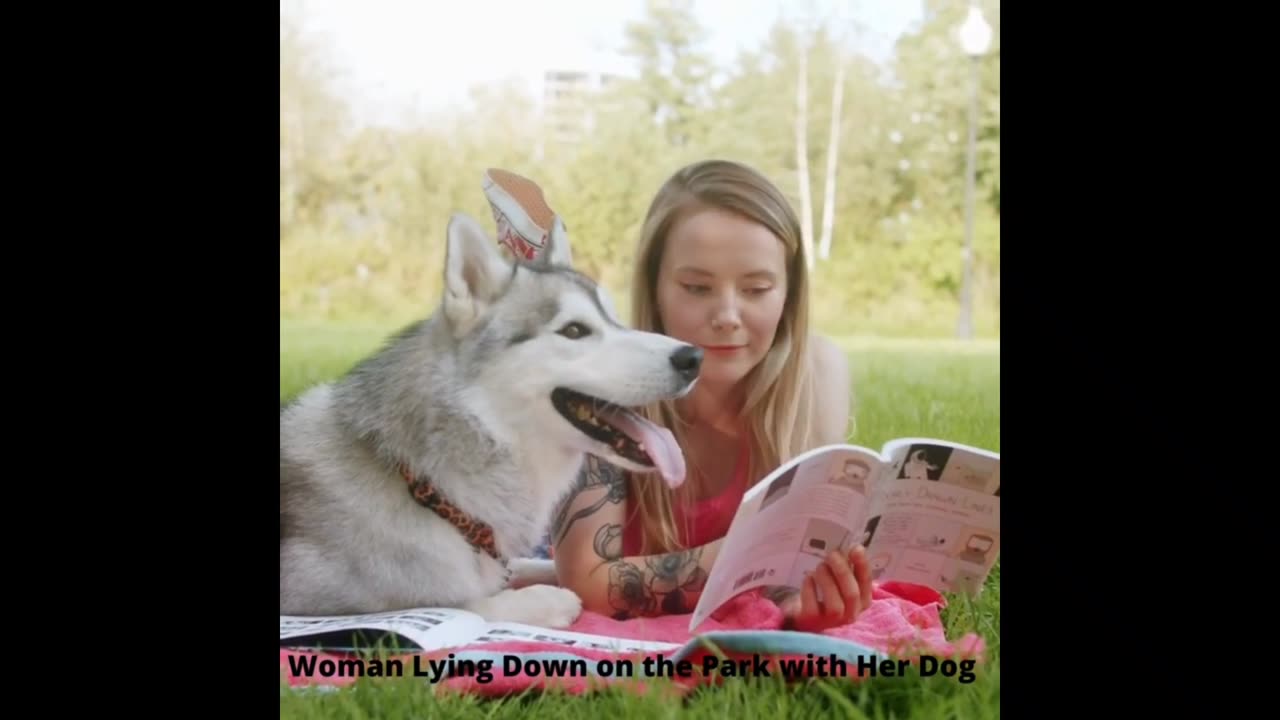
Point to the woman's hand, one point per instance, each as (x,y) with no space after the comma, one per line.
(833,594)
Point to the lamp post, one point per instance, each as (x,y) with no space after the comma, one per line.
(975,39)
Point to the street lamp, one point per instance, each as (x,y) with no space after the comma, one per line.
(975,39)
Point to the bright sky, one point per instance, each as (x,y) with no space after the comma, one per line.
(397,54)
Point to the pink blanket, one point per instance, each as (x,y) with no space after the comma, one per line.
(903,621)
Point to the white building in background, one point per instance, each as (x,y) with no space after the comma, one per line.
(570,91)
(568,102)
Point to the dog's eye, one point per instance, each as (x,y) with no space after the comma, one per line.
(575,330)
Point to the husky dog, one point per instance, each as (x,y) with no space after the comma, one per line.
(412,481)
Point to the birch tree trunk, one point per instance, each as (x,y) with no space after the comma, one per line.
(802,154)
(833,145)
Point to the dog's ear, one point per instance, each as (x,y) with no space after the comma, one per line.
(557,251)
(475,273)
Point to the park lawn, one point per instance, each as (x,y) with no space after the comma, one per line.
(901,388)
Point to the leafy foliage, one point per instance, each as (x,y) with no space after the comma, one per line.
(363,211)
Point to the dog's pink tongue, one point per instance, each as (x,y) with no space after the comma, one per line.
(658,442)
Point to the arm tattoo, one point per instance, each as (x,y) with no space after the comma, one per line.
(595,473)
(642,586)
(608,542)
(669,583)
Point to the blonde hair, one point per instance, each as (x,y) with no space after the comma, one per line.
(777,412)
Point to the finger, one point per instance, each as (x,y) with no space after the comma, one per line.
(862,575)
(832,603)
(808,599)
(838,564)
(856,553)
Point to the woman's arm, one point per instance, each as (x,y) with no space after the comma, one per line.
(587,536)
(834,391)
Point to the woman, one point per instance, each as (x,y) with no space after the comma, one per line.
(719,265)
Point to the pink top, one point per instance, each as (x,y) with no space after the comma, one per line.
(708,520)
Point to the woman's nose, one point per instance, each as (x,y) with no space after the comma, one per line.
(726,315)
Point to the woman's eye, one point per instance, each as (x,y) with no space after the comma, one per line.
(696,289)
(575,330)
(758,290)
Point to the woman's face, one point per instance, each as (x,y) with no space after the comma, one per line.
(722,285)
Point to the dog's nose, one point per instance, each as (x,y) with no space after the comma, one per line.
(687,360)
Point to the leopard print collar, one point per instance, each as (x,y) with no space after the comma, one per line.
(479,534)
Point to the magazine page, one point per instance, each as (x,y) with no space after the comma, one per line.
(428,628)
(789,522)
(935,518)
(507,632)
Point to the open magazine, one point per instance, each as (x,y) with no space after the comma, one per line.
(927,512)
(428,629)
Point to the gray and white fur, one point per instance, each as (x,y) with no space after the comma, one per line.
(463,397)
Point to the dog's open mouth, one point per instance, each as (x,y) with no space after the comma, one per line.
(629,435)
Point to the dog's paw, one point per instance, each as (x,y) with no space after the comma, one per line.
(549,606)
(541,605)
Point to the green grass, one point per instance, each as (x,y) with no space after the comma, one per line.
(901,388)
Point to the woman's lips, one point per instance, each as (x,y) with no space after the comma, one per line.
(722,349)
